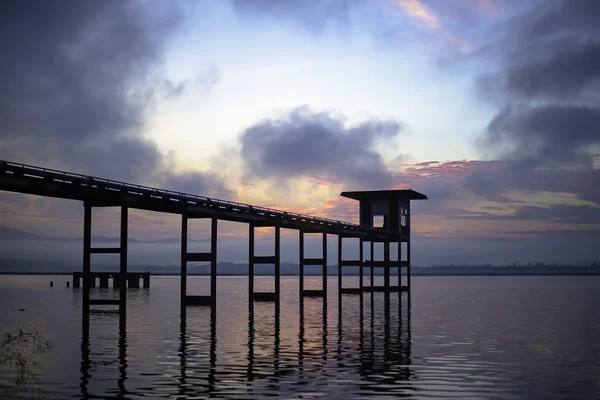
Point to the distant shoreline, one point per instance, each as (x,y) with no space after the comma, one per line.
(574,273)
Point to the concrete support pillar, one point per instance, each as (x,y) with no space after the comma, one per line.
(146,280)
(372,271)
(340,240)
(184,243)
(116,281)
(386,258)
(324,265)
(123,261)
(251,264)
(400,261)
(408,264)
(213,260)
(301,281)
(87,244)
(103,281)
(76,280)
(277,264)
(408,246)
(362,259)
(133,282)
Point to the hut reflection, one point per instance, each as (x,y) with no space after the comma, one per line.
(375,340)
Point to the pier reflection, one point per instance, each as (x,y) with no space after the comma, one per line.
(264,344)
(197,355)
(377,344)
(367,354)
(99,360)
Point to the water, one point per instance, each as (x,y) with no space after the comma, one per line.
(458,337)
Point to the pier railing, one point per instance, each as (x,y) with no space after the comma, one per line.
(112,186)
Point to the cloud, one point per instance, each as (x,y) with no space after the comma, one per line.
(307,143)
(426,17)
(315,15)
(195,182)
(78,79)
(549,81)
(546,134)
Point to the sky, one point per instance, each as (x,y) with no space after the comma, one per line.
(489,107)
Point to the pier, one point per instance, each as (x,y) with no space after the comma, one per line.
(384,219)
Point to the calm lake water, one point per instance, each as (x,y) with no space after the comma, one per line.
(458,337)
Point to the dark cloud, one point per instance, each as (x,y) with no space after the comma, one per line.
(78,79)
(550,75)
(564,72)
(491,180)
(70,76)
(545,134)
(556,213)
(305,143)
(454,185)
(315,15)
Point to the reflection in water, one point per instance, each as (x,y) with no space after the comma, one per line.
(384,347)
(371,353)
(87,363)
(122,354)
(189,374)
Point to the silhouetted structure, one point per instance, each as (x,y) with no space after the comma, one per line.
(384,217)
(133,279)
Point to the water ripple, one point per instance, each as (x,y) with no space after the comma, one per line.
(484,343)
